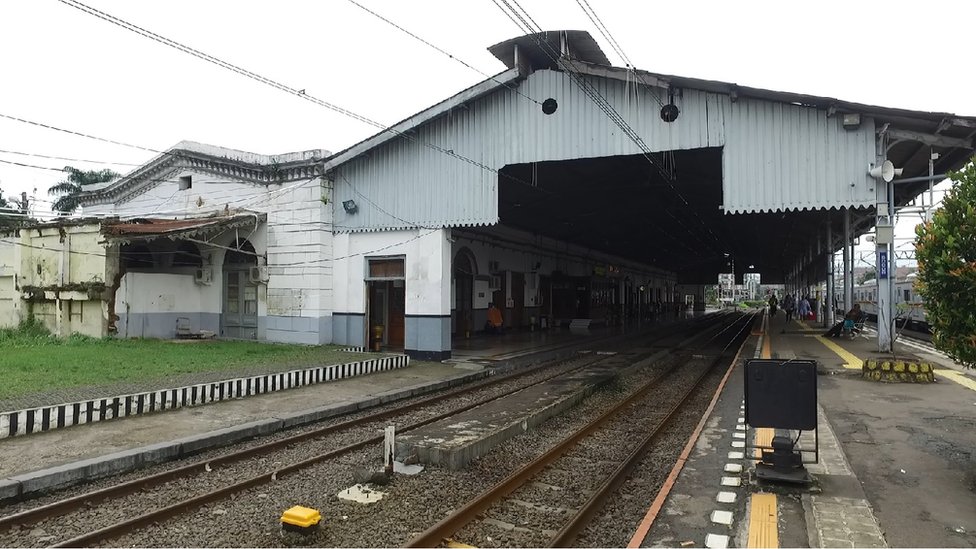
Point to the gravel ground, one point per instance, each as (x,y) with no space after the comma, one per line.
(250,518)
(618,521)
(43,533)
(74,394)
(531,515)
(413,502)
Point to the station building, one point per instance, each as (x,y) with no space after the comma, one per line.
(563,189)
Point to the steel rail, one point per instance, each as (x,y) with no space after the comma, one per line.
(67,505)
(191,503)
(567,535)
(451,524)
(80,501)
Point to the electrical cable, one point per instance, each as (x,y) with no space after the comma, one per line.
(573,72)
(267,81)
(440,50)
(37,155)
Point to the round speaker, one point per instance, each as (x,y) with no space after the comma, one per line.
(670,112)
(549,106)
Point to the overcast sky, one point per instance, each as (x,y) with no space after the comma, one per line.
(69,69)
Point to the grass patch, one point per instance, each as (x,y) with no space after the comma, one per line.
(33,361)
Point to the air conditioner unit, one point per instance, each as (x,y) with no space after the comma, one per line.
(203,275)
(494,282)
(258,274)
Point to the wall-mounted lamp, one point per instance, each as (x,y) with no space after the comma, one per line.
(851,121)
(350,206)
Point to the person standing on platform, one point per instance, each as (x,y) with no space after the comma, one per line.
(789,304)
(803,309)
(773,302)
(494,324)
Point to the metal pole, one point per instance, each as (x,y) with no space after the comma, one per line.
(829,298)
(933,156)
(930,178)
(848,287)
(850,272)
(893,267)
(883,192)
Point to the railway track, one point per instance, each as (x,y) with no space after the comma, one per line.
(172,491)
(560,504)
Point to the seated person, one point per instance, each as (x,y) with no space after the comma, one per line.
(494,324)
(851,317)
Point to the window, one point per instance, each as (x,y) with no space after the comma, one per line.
(186,182)
(908,295)
(386,268)
(242,254)
(187,255)
(136,256)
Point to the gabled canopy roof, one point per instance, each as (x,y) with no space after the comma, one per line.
(245,166)
(175,229)
(954,133)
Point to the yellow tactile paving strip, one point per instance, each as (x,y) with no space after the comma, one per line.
(851,361)
(958,377)
(763,530)
(764,439)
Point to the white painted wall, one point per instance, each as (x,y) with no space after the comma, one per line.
(165,293)
(427,264)
(296,242)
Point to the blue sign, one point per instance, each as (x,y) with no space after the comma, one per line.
(882,265)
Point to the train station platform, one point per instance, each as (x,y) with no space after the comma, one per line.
(897,466)
(64,456)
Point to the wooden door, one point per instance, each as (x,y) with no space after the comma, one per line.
(240,308)
(397,301)
(518,298)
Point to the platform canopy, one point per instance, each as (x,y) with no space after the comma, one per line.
(680,173)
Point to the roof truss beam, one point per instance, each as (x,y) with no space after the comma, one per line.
(931,139)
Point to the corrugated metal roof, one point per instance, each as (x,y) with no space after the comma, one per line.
(149,228)
(781,151)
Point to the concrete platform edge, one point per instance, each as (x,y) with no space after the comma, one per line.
(34,483)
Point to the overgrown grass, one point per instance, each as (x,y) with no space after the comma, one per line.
(34,361)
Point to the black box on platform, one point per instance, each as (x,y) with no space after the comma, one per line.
(781,394)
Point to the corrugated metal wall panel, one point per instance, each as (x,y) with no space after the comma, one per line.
(789,157)
(404,183)
(776,156)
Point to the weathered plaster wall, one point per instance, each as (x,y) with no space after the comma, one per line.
(58,275)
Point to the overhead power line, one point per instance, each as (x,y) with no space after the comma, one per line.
(598,23)
(37,155)
(80,134)
(441,50)
(527,25)
(35,166)
(216,61)
(274,84)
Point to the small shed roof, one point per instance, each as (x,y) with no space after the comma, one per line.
(151,228)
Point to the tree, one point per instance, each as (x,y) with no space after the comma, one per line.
(69,189)
(945,248)
(868,275)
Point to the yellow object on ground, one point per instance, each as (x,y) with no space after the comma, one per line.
(299,517)
(763,531)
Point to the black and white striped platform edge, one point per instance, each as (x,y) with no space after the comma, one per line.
(58,416)
(353,350)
